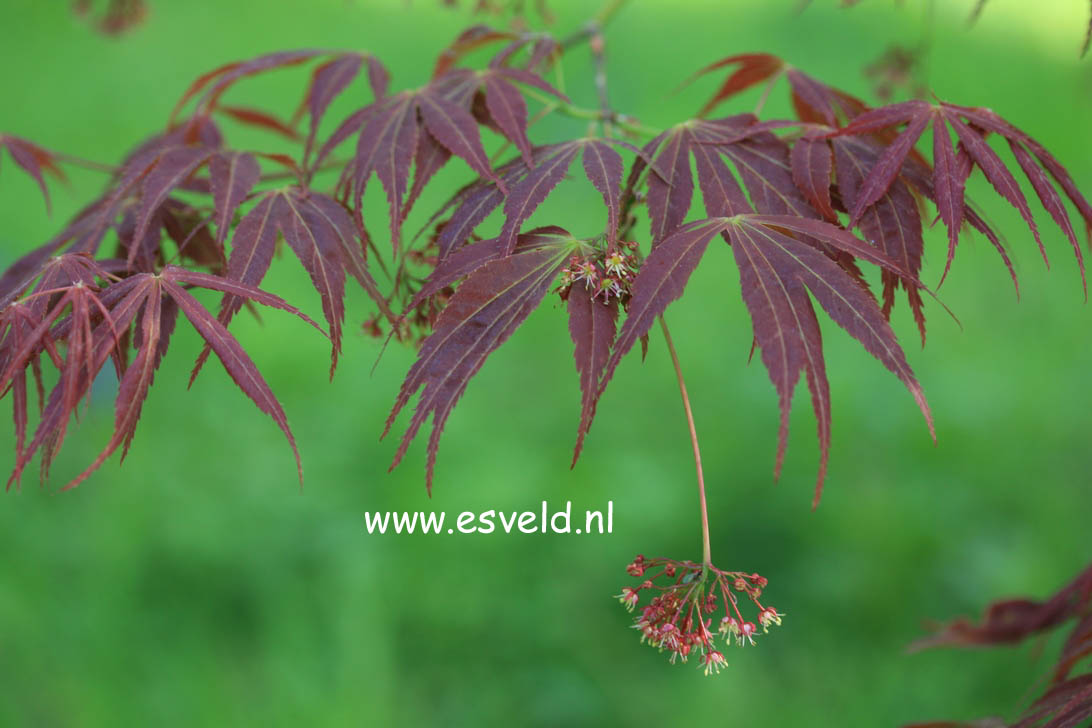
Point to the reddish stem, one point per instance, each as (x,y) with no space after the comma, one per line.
(707,558)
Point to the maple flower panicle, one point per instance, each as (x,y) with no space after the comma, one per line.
(674,619)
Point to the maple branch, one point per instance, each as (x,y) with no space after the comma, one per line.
(328,165)
(593,26)
(707,557)
(598,48)
(622,121)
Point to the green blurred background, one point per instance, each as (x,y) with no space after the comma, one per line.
(198,584)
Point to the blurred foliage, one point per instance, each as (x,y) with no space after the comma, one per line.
(197,584)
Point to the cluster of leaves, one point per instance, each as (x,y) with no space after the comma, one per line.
(185,210)
(1067,700)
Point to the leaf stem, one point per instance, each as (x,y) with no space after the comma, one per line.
(766,93)
(707,557)
(622,121)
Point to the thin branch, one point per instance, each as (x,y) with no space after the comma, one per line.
(598,49)
(622,121)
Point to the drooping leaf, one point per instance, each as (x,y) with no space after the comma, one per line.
(33,160)
(322,235)
(169,172)
(217,81)
(787,334)
(232,175)
(671,189)
(814,101)
(386,147)
(474,202)
(892,224)
(153,302)
(235,360)
(469,258)
(429,158)
(134,384)
(468,40)
(948,176)
(777,272)
(388,143)
(509,111)
(661,280)
(751,69)
(811,171)
(90,345)
(527,194)
(721,194)
(527,188)
(603,167)
(592,326)
(774,270)
(485,310)
(1013,620)
(327,82)
(317,246)
(252,248)
(455,128)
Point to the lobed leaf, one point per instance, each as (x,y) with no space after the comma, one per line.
(33,160)
(603,167)
(527,194)
(952,168)
(486,309)
(592,324)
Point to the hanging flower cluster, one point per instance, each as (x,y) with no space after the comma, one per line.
(679,618)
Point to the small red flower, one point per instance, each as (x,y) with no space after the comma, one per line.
(713,661)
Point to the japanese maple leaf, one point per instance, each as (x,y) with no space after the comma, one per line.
(777,274)
(321,233)
(92,329)
(952,166)
(32,159)
(529,186)
(497,295)
(425,128)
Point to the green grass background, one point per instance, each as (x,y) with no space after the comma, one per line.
(197,584)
